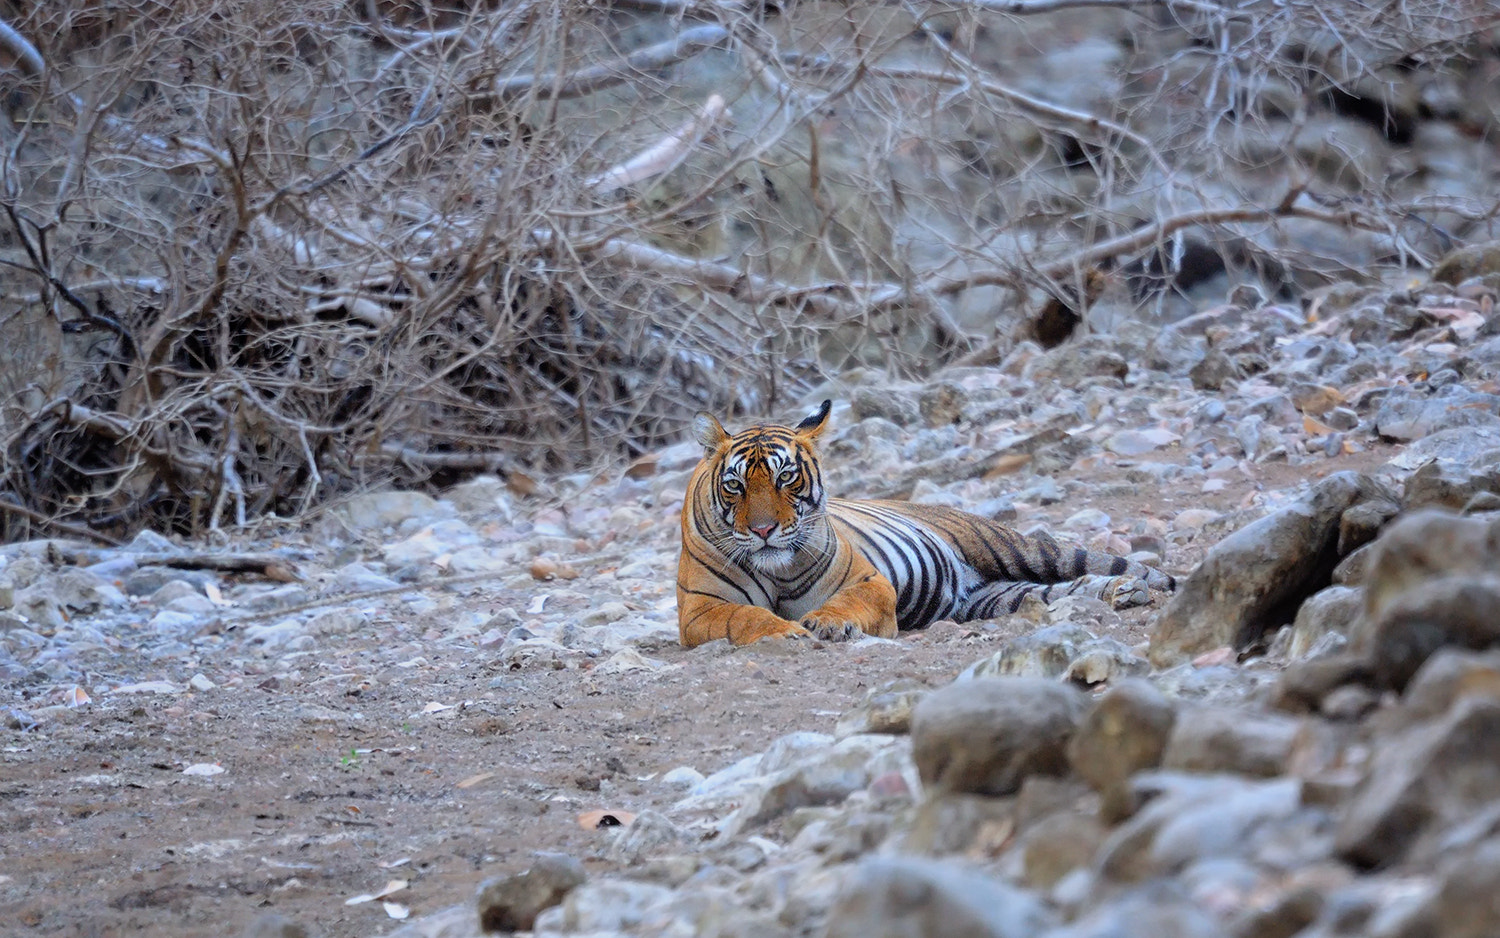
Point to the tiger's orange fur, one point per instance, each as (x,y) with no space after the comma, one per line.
(765,552)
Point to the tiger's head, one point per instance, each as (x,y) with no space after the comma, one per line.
(761,497)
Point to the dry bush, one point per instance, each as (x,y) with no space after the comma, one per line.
(260,254)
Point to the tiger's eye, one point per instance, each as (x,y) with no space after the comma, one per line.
(787,475)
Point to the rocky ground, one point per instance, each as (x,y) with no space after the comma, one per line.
(351,728)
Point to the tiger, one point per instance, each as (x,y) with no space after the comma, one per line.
(767,554)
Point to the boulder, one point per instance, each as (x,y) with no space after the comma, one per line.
(1254,580)
(987,735)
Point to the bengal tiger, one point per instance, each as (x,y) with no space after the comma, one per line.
(766,553)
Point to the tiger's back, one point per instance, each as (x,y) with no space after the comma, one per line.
(951,564)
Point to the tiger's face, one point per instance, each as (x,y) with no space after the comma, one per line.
(764,490)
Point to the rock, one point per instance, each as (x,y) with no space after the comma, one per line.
(377,510)
(1254,580)
(604,905)
(1241,742)
(1464,905)
(884,709)
(1160,913)
(1447,677)
(685,777)
(942,403)
(1215,370)
(1443,483)
(898,408)
(1403,416)
(913,898)
(512,903)
(987,735)
(1090,360)
(1471,260)
(1194,818)
(1046,652)
(1303,686)
(1432,582)
(1057,845)
(1420,780)
(1325,620)
(648,835)
(945,824)
(1140,442)
(484,494)
(275,925)
(1125,731)
(827,777)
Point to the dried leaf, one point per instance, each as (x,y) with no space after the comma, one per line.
(435,707)
(473,780)
(396,910)
(204,768)
(594,820)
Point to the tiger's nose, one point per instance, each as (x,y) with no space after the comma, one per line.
(763,531)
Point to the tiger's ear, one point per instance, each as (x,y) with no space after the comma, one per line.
(813,427)
(708,431)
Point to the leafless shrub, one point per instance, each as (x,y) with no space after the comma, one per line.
(260,254)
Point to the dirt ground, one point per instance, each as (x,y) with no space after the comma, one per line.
(340,784)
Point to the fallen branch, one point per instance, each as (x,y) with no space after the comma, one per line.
(580,82)
(270,566)
(666,153)
(76,530)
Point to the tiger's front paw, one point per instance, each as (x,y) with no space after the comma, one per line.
(830,630)
(785,631)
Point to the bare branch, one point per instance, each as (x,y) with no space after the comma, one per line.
(579,82)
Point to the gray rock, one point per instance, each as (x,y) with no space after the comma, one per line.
(1329,612)
(1403,416)
(512,903)
(1443,483)
(1464,905)
(604,905)
(1254,580)
(1215,370)
(945,823)
(1125,731)
(1471,260)
(900,409)
(1238,741)
(942,403)
(649,834)
(985,736)
(1448,676)
(1089,361)
(885,709)
(1046,652)
(915,898)
(1421,779)
(1056,846)
(1195,818)
(826,777)
(1432,582)
(1155,913)
(275,925)
(376,510)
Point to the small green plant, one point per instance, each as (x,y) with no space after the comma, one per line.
(350,760)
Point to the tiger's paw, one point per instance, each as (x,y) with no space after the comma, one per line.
(830,630)
(789,632)
(1127,592)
